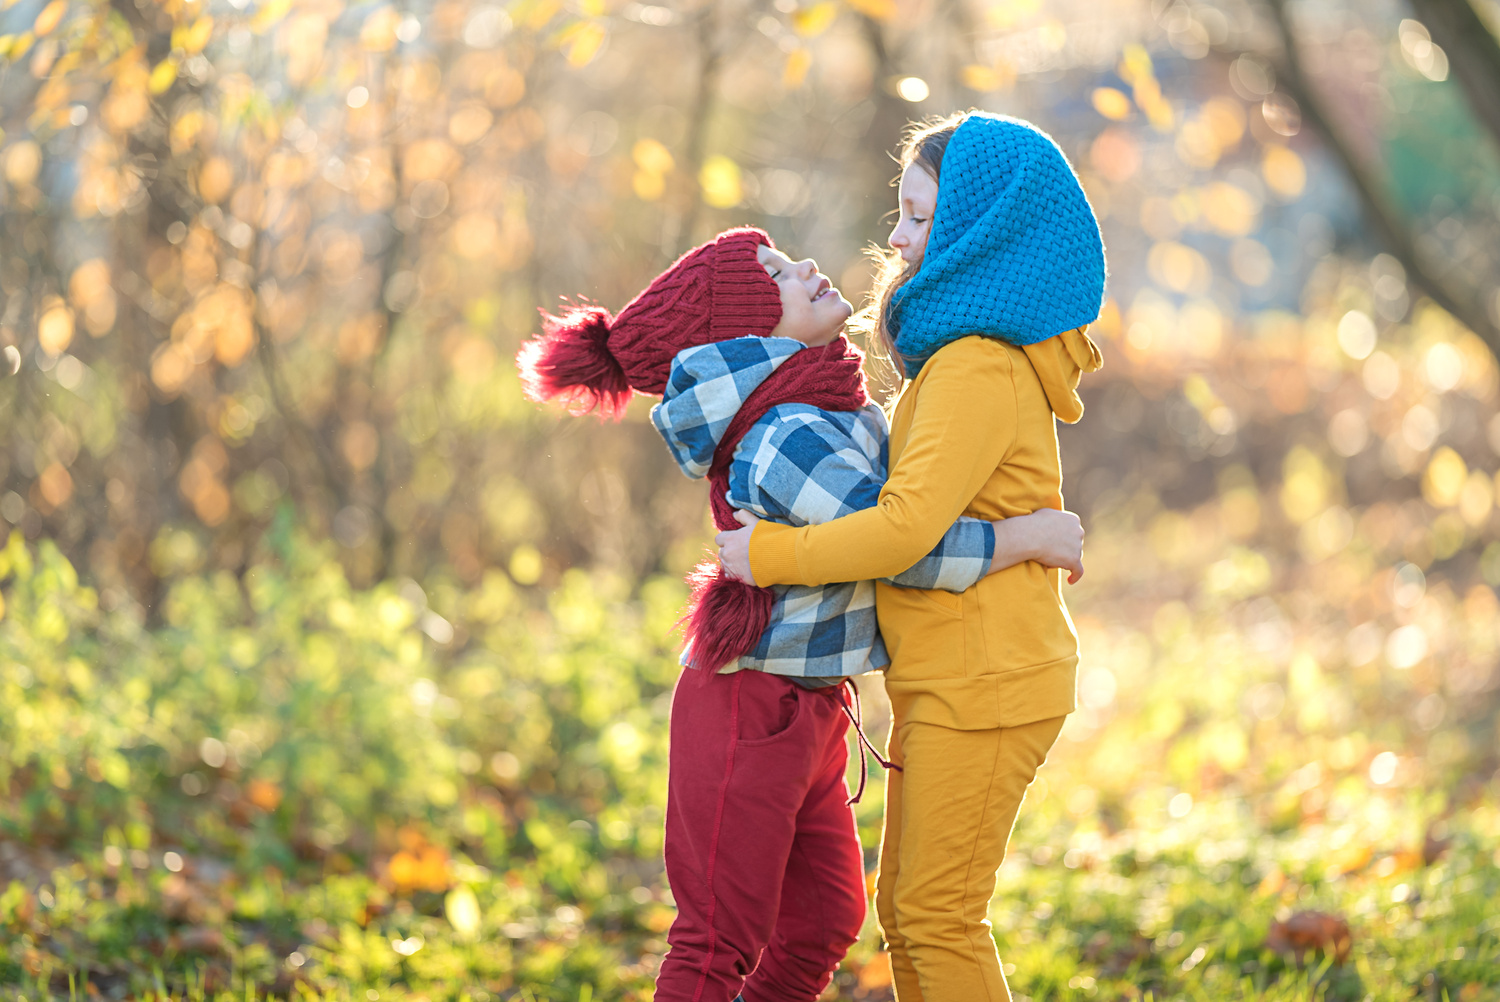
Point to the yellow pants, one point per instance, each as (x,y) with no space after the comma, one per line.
(948,817)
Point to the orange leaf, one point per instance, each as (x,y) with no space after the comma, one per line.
(877,973)
(50,17)
(263,794)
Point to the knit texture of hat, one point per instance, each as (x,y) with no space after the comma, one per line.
(715,292)
(1015,251)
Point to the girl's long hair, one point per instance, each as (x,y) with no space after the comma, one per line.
(924,143)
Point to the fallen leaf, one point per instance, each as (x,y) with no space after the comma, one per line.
(1311,932)
(877,973)
(198,939)
(1434,845)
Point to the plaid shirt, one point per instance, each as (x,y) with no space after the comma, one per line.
(801,465)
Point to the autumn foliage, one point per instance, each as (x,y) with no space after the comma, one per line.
(329,664)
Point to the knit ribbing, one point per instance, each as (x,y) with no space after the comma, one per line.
(712,293)
(1015,251)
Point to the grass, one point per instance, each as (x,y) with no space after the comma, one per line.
(289,789)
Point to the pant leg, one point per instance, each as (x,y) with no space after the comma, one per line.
(962,792)
(903,974)
(823,892)
(740,762)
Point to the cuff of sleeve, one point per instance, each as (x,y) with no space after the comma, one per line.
(773,554)
(989,545)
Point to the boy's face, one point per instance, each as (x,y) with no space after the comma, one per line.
(812,310)
(918,198)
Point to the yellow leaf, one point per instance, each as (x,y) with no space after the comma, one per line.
(5,41)
(798,62)
(1135,64)
(1443,483)
(162,77)
(192,38)
(536,13)
(21,44)
(583,43)
(720,181)
(1229,209)
(988,78)
(1111,103)
(55,329)
(22,162)
(815,20)
(269,13)
(379,31)
(462,909)
(651,156)
(648,187)
(880,10)
(50,17)
(1284,171)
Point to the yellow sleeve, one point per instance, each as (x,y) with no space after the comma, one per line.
(963,425)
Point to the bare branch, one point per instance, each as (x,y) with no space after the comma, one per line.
(1391,228)
(1473,54)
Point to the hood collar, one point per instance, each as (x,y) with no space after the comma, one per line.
(705,389)
(1059,362)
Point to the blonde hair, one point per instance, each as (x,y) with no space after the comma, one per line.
(923,143)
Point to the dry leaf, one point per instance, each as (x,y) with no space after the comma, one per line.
(1311,932)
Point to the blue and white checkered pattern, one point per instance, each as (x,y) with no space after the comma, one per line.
(705,389)
(802,466)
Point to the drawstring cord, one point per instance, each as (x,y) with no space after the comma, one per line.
(856,717)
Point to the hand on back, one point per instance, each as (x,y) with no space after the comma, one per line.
(1048,536)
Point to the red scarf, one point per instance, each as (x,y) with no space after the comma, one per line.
(725,617)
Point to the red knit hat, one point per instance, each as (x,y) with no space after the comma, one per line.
(712,293)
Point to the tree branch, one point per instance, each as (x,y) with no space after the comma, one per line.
(709,58)
(1473,55)
(1390,226)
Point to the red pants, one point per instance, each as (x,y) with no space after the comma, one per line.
(761,850)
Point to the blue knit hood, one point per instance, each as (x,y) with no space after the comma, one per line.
(1015,251)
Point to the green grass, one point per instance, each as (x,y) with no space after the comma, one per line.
(288,789)
(1130,918)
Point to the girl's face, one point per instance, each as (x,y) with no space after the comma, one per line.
(812,310)
(918,199)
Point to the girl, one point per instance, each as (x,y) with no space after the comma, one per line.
(1000,268)
(761,393)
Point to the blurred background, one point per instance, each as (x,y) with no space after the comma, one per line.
(330,665)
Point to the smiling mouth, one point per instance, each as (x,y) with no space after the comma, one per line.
(825,290)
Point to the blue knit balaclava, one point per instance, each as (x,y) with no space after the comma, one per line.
(1015,251)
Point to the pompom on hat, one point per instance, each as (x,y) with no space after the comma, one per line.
(586,358)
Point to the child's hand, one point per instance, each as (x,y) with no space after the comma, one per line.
(734,547)
(1050,537)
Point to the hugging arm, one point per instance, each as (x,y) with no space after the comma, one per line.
(808,470)
(963,426)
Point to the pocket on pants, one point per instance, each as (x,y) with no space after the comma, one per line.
(769,708)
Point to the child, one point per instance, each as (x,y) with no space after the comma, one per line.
(762,394)
(1001,268)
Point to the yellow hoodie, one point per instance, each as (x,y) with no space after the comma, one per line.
(972,434)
